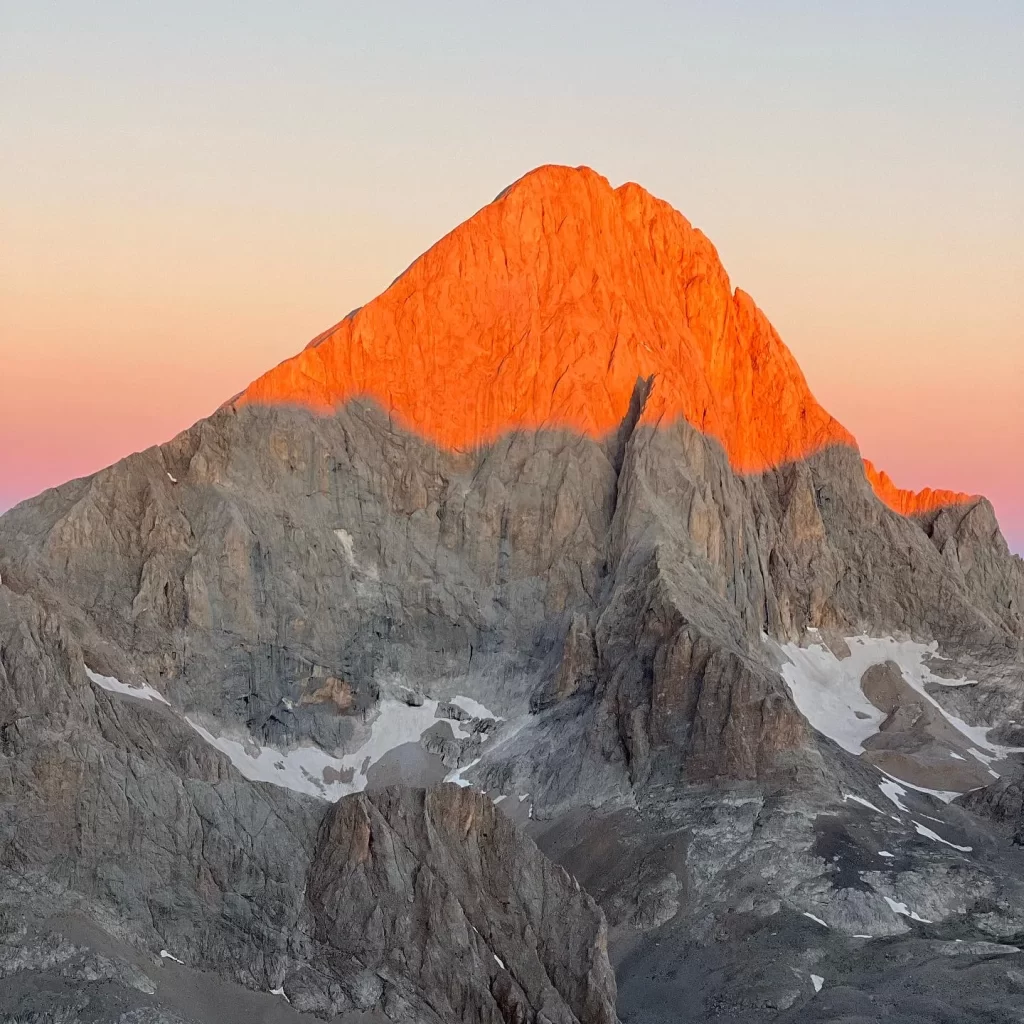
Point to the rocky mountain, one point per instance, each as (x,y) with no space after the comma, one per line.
(533,622)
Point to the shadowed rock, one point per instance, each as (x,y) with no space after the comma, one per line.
(439,886)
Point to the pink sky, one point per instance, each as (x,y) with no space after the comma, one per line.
(187,208)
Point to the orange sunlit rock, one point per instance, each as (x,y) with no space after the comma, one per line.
(911,503)
(543,310)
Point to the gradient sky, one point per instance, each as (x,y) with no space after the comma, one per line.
(190,191)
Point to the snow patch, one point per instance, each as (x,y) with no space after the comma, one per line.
(886,854)
(817,920)
(280,992)
(923,830)
(828,693)
(165,955)
(474,708)
(457,775)
(893,790)
(143,692)
(902,908)
(860,800)
(172,478)
(945,795)
(311,770)
(498,961)
(817,981)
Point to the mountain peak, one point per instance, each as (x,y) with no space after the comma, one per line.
(543,309)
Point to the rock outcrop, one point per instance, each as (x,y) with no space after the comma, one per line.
(441,887)
(1002,802)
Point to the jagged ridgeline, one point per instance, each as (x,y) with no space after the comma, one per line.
(535,613)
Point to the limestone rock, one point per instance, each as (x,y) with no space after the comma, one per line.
(438,886)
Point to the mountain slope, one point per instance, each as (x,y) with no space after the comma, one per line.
(545,308)
(555,517)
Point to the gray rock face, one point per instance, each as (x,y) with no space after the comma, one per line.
(1001,802)
(303,571)
(440,886)
(291,552)
(114,807)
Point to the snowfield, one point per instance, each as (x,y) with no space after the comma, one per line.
(309,769)
(827,691)
(828,694)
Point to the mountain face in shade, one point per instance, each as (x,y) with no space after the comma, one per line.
(557,520)
(544,310)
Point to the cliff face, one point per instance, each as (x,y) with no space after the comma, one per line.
(439,884)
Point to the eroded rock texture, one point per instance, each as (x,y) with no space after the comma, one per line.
(440,886)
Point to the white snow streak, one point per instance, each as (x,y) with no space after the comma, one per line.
(164,955)
(817,920)
(945,795)
(923,830)
(456,776)
(144,692)
(860,800)
(902,908)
